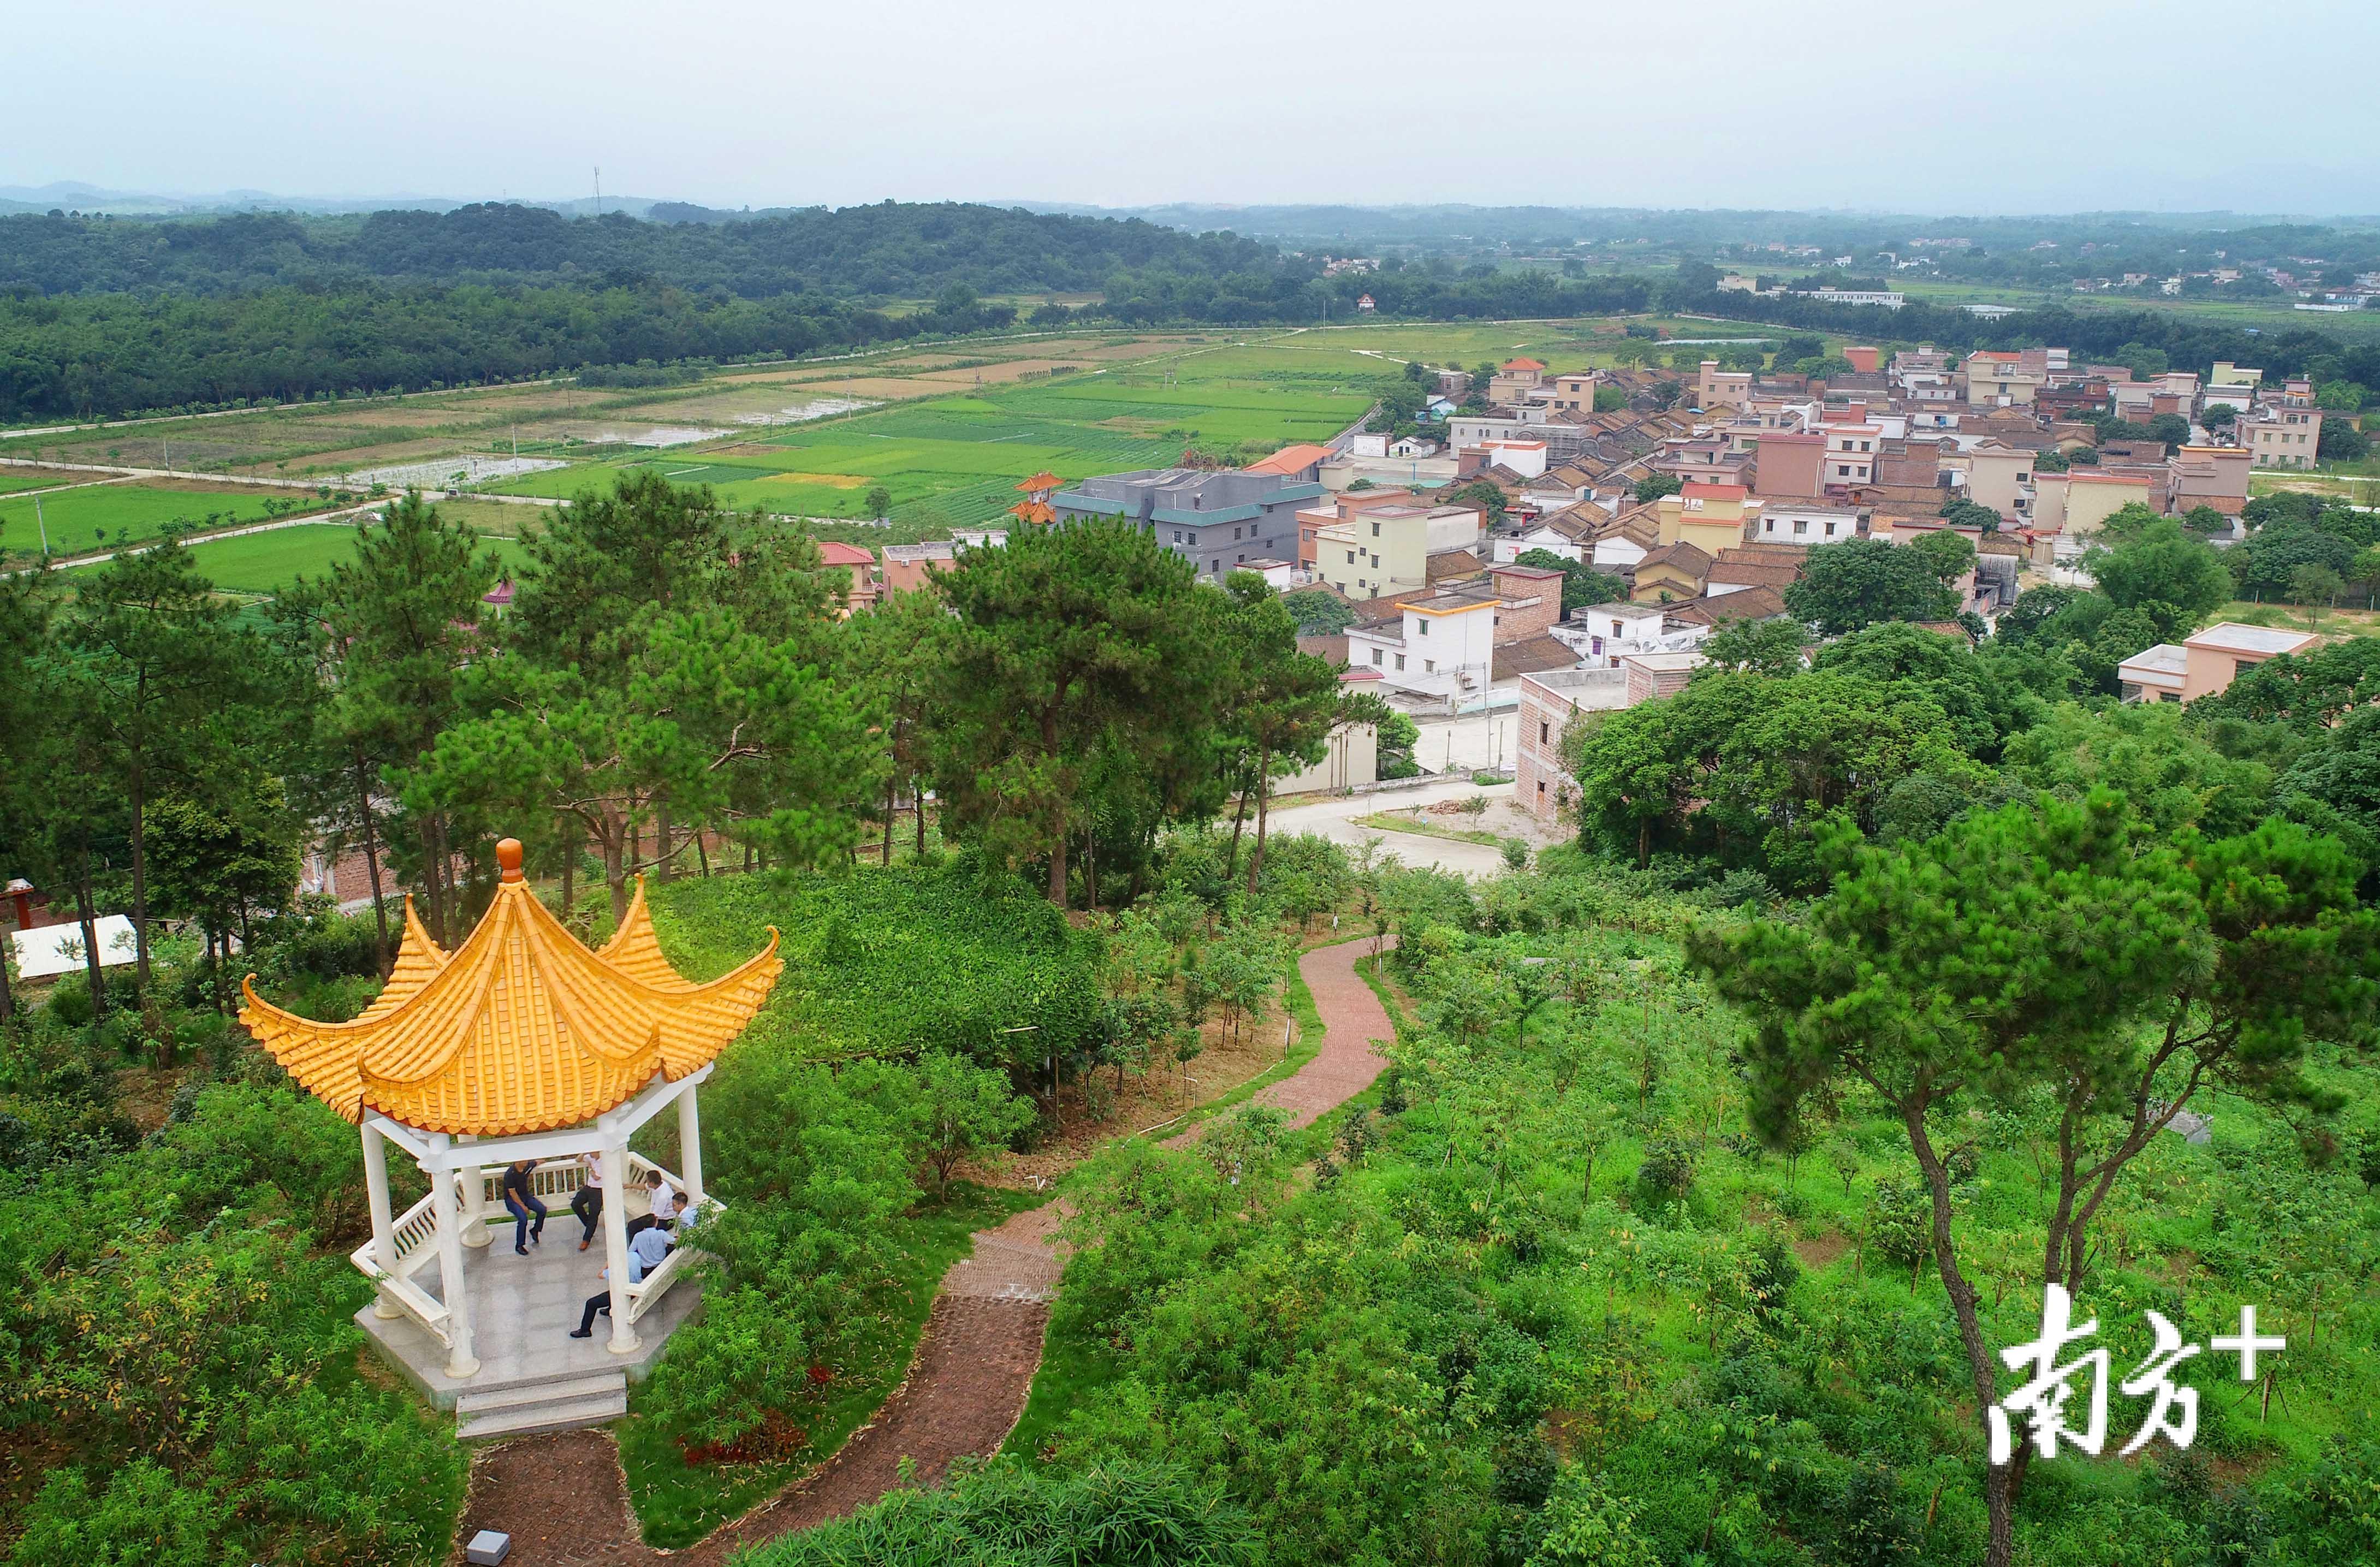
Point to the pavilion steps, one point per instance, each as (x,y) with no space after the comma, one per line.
(552,1404)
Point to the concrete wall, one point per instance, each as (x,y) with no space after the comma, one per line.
(1352,760)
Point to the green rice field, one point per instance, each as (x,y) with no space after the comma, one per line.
(955,460)
(101,516)
(13,480)
(270,563)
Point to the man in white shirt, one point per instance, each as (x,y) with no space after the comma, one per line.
(587,1201)
(665,1206)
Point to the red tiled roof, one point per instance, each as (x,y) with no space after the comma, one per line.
(1290,459)
(832,553)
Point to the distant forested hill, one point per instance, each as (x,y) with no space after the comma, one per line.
(891,250)
(102,318)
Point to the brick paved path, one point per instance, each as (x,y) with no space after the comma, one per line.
(1352,1020)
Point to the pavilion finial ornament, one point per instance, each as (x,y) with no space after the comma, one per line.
(521,1028)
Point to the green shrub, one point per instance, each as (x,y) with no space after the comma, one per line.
(814,1166)
(142,1517)
(1668,1171)
(927,957)
(1587,1526)
(1114,1514)
(360,1476)
(70,1000)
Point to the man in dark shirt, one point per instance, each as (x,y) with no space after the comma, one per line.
(523,1203)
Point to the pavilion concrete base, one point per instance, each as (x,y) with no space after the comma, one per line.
(522,1311)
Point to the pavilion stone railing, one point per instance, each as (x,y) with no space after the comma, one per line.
(554,1181)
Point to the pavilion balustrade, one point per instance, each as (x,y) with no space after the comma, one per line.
(554,1181)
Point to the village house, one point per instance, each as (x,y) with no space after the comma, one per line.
(906,567)
(1669,574)
(1515,382)
(1377,551)
(1746,567)
(2205,663)
(865,584)
(1574,392)
(1301,462)
(1522,460)
(2286,436)
(1790,463)
(1717,388)
(2000,476)
(2001,379)
(2207,476)
(1850,453)
(1216,521)
(2079,501)
(1601,633)
(1624,542)
(1806,522)
(1339,507)
(1710,517)
(1440,645)
(1549,698)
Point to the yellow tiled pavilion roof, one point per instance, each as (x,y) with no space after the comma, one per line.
(520,1029)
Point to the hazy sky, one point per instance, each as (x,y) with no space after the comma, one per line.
(2016,106)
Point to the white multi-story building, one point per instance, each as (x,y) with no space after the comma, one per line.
(1438,645)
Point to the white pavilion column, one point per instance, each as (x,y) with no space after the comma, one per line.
(475,1202)
(624,1340)
(384,1216)
(690,1157)
(460,1361)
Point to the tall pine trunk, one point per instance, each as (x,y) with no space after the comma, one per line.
(1264,798)
(1058,867)
(1057,812)
(139,789)
(89,913)
(2000,1548)
(372,862)
(618,845)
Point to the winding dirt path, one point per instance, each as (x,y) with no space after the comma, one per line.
(561,1499)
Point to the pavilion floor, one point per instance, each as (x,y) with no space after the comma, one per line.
(522,1311)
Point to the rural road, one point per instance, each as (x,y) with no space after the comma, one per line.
(1335,819)
(68,563)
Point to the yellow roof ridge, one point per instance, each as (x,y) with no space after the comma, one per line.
(636,949)
(520,1028)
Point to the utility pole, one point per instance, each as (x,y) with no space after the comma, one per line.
(599,190)
(40,522)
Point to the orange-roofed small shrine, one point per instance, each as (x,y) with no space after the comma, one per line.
(1036,508)
(521,1044)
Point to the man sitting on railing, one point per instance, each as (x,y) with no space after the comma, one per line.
(523,1203)
(665,1203)
(587,1201)
(645,1253)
